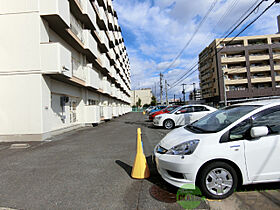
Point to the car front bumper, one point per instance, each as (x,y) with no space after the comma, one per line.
(177,170)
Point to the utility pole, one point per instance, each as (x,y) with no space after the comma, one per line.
(166,93)
(155,90)
(160,78)
(194,92)
(184,93)
(225,91)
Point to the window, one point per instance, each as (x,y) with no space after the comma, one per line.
(187,109)
(239,131)
(269,118)
(200,109)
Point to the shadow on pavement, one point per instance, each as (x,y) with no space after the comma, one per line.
(259,187)
(125,166)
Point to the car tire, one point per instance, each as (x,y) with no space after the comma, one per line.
(168,124)
(218,180)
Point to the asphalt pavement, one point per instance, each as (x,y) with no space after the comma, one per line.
(90,168)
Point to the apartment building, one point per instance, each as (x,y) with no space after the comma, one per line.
(240,69)
(144,94)
(63,65)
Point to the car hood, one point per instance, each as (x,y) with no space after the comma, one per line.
(178,136)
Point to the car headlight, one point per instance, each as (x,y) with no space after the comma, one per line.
(159,117)
(185,148)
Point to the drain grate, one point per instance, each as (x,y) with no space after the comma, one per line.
(19,146)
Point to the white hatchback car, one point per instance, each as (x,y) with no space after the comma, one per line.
(182,115)
(239,144)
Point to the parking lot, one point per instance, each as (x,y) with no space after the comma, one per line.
(90,168)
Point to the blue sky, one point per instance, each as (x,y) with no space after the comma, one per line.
(155,31)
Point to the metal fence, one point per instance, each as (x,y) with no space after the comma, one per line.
(137,109)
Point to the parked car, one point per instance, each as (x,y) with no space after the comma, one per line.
(182,115)
(157,108)
(166,110)
(149,108)
(239,144)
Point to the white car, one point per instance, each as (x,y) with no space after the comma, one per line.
(182,115)
(239,144)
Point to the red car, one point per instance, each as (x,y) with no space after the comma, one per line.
(166,110)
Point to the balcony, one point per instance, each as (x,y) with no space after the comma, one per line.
(111,39)
(105,63)
(89,16)
(258,57)
(277,78)
(102,19)
(92,78)
(55,59)
(56,12)
(236,81)
(233,59)
(90,44)
(260,79)
(276,66)
(92,114)
(110,21)
(235,70)
(104,45)
(106,87)
(112,56)
(78,70)
(259,68)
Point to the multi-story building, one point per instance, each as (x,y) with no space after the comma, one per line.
(145,95)
(246,67)
(63,65)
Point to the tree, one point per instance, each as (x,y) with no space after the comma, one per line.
(154,101)
(138,103)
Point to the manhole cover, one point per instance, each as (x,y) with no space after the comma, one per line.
(162,195)
(19,146)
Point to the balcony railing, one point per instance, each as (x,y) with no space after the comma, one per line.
(55,59)
(90,43)
(92,79)
(76,27)
(56,8)
(78,69)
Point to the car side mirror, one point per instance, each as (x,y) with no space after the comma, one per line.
(259,131)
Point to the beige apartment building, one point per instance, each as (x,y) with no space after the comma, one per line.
(63,65)
(247,67)
(144,94)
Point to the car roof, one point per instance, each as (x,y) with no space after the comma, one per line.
(261,102)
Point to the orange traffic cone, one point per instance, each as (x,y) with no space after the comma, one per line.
(140,168)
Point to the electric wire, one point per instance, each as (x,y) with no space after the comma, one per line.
(191,72)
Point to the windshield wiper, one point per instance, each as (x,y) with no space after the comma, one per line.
(195,128)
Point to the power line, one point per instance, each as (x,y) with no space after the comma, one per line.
(185,75)
(193,35)
(228,33)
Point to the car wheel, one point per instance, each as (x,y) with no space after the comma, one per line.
(218,180)
(168,124)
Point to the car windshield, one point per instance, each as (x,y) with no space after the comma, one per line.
(220,119)
(175,110)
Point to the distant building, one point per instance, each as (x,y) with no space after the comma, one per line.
(247,67)
(144,94)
